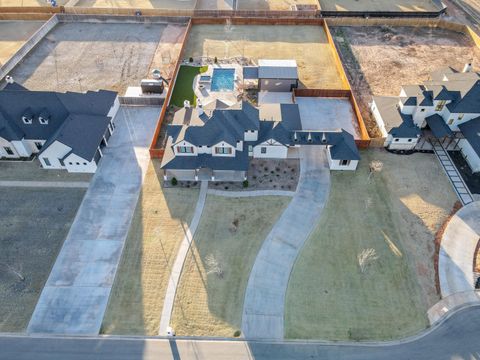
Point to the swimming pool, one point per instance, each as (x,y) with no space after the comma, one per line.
(223,79)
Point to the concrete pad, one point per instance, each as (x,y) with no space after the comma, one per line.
(270,97)
(327,114)
(457,250)
(75,296)
(263,312)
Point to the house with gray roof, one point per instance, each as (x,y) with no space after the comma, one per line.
(448,106)
(64,130)
(219,145)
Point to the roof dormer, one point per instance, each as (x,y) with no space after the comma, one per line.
(27,117)
(44,117)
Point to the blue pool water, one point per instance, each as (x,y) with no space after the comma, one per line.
(222,79)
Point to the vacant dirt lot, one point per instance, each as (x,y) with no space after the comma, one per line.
(30,3)
(91,56)
(272,4)
(306,44)
(139,4)
(34,224)
(380,59)
(157,228)
(210,294)
(13,34)
(378,5)
(394,214)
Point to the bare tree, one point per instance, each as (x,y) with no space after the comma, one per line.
(365,258)
(213,266)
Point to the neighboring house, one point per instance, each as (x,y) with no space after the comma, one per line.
(66,130)
(273,75)
(448,105)
(219,145)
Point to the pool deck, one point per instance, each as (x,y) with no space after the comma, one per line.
(205,94)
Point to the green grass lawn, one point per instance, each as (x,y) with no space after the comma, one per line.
(183,89)
(328,296)
(211,291)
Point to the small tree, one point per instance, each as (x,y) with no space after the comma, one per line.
(365,258)
(174,181)
(245,183)
(190,59)
(375,167)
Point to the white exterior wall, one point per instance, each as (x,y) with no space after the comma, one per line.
(251,136)
(456,122)
(278,85)
(74,163)
(31,144)
(401,144)
(54,153)
(185,143)
(204,149)
(378,119)
(277,151)
(239,146)
(113,110)
(223,144)
(22,147)
(3,153)
(335,164)
(470,155)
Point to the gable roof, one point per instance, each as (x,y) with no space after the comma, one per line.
(471,131)
(438,126)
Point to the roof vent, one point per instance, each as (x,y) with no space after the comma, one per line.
(467,68)
(309,137)
(324,138)
(295,137)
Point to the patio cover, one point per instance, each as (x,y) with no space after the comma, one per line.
(438,126)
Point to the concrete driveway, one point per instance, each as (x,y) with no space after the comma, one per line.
(457,250)
(75,296)
(263,312)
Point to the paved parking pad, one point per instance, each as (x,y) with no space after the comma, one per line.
(76,294)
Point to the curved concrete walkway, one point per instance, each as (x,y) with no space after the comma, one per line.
(249,193)
(263,312)
(180,260)
(457,250)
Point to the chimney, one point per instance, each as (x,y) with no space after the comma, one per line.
(467,68)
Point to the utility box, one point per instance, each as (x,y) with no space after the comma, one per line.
(152,86)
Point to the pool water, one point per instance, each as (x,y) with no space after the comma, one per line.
(223,79)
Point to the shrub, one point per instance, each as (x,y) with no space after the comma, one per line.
(191,59)
(237,333)
(215,60)
(174,181)
(245,183)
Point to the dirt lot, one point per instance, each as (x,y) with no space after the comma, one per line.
(13,34)
(379,60)
(139,4)
(397,213)
(157,229)
(34,224)
(272,4)
(210,294)
(306,44)
(30,3)
(81,56)
(378,5)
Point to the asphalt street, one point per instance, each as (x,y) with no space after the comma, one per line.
(457,338)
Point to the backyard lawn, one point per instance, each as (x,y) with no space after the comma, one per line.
(385,225)
(210,295)
(156,231)
(183,89)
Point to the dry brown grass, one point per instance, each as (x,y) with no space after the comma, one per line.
(156,232)
(308,45)
(378,5)
(272,4)
(13,34)
(229,236)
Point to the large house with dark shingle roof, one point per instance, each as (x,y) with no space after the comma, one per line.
(448,105)
(218,144)
(65,130)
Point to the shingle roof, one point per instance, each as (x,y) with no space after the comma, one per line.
(250,72)
(277,69)
(471,131)
(438,126)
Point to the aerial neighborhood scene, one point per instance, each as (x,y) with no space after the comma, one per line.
(239,179)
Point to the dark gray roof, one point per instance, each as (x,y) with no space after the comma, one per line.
(438,126)
(239,162)
(469,103)
(250,72)
(277,69)
(471,131)
(407,129)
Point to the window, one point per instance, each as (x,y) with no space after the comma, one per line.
(460,117)
(250,148)
(38,144)
(450,121)
(43,121)
(8,150)
(409,140)
(84,163)
(223,150)
(397,139)
(61,162)
(344,162)
(185,149)
(47,162)
(70,163)
(422,110)
(263,150)
(27,120)
(440,105)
